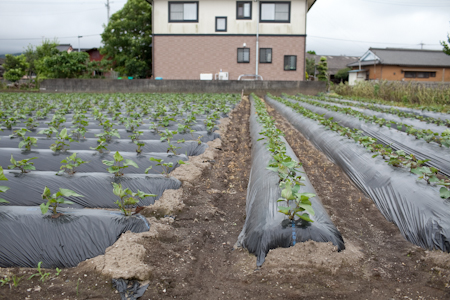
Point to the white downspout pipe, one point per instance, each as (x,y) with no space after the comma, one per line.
(257,37)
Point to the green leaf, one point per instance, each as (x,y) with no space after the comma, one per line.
(63,134)
(2,176)
(3,188)
(155,159)
(108,162)
(68,193)
(44,207)
(283,209)
(118,157)
(307,208)
(3,201)
(444,193)
(305,217)
(148,169)
(129,162)
(46,193)
(12,160)
(22,143)
(143,195)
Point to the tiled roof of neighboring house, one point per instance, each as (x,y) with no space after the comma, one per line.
(335,62)
(63,47)
(2,61)
(407,57)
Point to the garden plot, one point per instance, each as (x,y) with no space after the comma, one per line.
(436,151)
(415,206)
(58,164)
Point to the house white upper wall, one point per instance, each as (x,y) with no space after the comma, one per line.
(208,10)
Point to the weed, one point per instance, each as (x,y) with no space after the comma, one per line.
(44,275)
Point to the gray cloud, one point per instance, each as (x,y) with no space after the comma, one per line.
(334,27)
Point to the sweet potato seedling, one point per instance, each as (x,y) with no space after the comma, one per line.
(71,163)
(49,131)
(127,199)
(56,199)
(116,167)
(165,166)
(60,144)
(23,165)
(140,144)
(101,147)
(19,133)
(28,142)
(172,148)
(3,188)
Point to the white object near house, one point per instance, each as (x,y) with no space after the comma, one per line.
(356,75)
(206,76)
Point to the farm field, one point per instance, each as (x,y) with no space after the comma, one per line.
(207,225)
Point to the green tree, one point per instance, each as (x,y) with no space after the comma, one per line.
(66,65)
(35,57)
(311,52)
(322,67)
(446,46)
(310,66)
(15,67)
(342,74)
(127,39)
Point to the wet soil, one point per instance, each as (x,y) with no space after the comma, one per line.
(196,259)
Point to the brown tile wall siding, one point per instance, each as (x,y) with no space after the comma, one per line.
(185,57)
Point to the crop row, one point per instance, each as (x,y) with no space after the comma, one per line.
(394,158)
(427,135)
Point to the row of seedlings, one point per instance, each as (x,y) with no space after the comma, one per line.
(278,183)
(423,149)
(407,193)
(85,178)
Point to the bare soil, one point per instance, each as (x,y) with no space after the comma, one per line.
(196,258)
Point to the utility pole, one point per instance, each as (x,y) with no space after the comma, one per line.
(421,45)
(79,49)
(107,9)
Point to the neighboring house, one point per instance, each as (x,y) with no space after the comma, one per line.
(94,53)
(65,48)
(401,64)
(335,62)
(2,70)
(206,37)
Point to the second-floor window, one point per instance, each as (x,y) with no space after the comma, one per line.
(279,12)
(243,10)
(183,11)
(221,23)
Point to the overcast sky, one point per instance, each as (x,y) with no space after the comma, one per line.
(334,27)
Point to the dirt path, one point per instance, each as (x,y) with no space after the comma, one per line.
(196,259)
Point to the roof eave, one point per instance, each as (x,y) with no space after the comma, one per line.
(309,6)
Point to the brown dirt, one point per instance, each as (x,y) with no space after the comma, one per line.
(193,257)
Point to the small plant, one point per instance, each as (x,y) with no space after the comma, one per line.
(135,136)
(10,122)
(58,271)
(209,124)
(60,144)
(57,121)
(19,133)
(181,141)
(41,273)
(31,123)
(23,165)
(56,199)
(127,198)
(101,145)
(48,132)
(28,142)
(166,135)
(199,140)
(301,203)
(165,166)
(140,144)
(172,148)
(3,188)
(115,166)
(5,280)
(71,163)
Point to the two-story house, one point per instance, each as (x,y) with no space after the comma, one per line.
(265,38)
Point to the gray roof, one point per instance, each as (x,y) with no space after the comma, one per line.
(407,57)
(335,62)
(63,47)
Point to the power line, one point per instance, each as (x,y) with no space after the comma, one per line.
(51,14)
(65,37)
(410,4)
(370,42)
